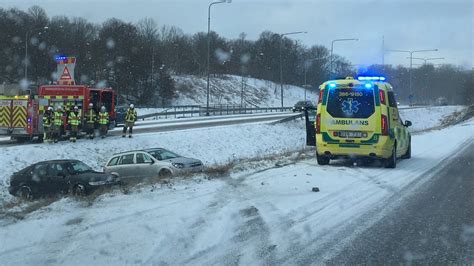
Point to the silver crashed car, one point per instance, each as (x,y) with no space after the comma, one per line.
(150,163)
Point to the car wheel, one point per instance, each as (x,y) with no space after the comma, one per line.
(164,173)
(79,190)
(407,155)
(391,162)
(322,160)
(25,193)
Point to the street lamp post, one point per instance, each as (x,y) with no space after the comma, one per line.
(26,49)
(411,52)
(332,49)
(281,60)
(209,47)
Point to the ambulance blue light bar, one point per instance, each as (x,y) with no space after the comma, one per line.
(332,85)
(371,78)
(61,57)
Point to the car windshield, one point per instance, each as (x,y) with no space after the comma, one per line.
(162,154)
(79,167)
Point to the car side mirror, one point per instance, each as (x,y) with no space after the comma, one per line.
(152,162)
(408,123)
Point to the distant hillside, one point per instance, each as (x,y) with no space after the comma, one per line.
(191,90)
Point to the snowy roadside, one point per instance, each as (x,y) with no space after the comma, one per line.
(214,146)
(269,216)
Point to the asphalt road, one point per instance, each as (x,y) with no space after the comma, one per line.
(435,226)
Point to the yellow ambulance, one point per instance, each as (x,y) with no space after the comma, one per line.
(359,118)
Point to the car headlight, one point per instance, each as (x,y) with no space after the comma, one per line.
(178,165)
(97,183)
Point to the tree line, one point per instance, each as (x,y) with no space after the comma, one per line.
(139,59)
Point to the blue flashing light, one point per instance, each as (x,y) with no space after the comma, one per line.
(371,78)
(368,85)
(332,85)
(61,58)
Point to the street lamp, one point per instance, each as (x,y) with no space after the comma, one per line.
(209,47)
(307,63)
(427,59)
(26,48)
(281,61)
(411,52)
(332,49)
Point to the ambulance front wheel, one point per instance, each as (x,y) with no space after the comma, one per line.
(322,160)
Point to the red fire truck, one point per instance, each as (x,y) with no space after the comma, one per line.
(22,116)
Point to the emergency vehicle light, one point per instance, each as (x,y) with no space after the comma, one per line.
(368,85)
(61,58)
(372,78)
(332,85)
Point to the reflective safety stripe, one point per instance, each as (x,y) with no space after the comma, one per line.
(73,119)
(131,115)
(58,118)
(103,118)
(91,116)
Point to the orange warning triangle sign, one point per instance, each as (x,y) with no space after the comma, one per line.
(65,75)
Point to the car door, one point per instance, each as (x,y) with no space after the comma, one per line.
(404,137)
(57,178)
(125,167)
(39,178)
(145,167)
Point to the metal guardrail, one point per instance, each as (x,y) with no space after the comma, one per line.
(197,110)
(203,111)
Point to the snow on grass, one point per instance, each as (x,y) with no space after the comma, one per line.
(250,217)
(226,89)
(213,146)
(428,117)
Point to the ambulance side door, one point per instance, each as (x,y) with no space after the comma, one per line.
(398,128)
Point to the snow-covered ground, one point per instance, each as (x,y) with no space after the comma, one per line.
(429,117)
(215,146)
(227,89)
(265,213)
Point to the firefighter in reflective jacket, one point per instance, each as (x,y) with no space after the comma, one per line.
(103,121)
(74,120)
(90,118)
(130,118)
(47,123)
(58,123)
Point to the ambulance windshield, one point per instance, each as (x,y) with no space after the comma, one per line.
(351,103)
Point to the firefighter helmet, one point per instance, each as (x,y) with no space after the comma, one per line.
(91,104)
(132,106)
(102,109)
(76,108)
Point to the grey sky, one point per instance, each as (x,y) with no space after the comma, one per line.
(406,24)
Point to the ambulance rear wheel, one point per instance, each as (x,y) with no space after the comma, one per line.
(391,162)
(322,160)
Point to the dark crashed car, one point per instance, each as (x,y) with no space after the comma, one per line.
(58,177)
(302,105)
